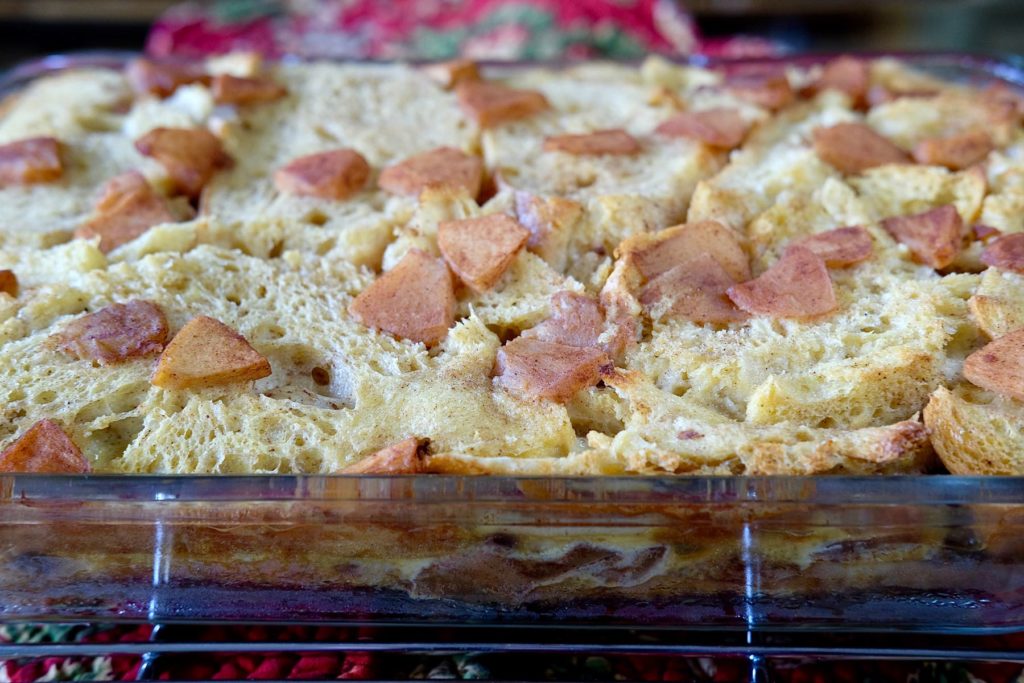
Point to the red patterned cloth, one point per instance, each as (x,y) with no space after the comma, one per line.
(116,668)
(367,666)
(439,29)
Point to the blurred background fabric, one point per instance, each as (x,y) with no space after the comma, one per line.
(441,29)
(514,29)
(433,29)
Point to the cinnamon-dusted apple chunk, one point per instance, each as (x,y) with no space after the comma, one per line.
(999,366)
(548,370)
(337,174)
(1005,253)
(491,104)
(840,248)
(613,141)
(115,333)
(126,207)
(934,237)
(687,269)
(44,449)
(695,291)
(576,320)
(442,167)
(415,300)
(985,233)
(855,147)
(32,160)
(580,320)
(655,253)
(771,91)
(8,282)
(955,152)
(451,73)
(164,77)
(796,286)
(408,456)
(239,90)
(236,90)
(720,127)
(846,74)
(207,353)
(481,249)
(191,156)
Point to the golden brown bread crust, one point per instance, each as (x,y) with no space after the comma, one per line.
(976,432)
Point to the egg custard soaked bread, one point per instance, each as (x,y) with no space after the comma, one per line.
(238,267)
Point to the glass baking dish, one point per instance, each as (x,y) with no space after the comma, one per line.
(929,553)
(937,553)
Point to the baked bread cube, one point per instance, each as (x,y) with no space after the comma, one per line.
(976,431)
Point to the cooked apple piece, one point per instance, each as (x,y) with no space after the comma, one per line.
(236,90)
(480,250)
(840,248)
(441,167)
(163,78)
(8,282)
(115,333)
(796,286)
(1005,253)
(613,141)
(32,160)
(115,190)
(491,104)
(580,320)
(207,353)
(999,365)
(719,127)
(845,74)
(694,291)
(126,207)
(985,233)
(854,147)
(934,237)
(415,300)
(337,174)
(655,253)
(449,74)
(191,156)
(771,91)
(576,320)
(955,152)
(44,449)
(548,370)
(408,456)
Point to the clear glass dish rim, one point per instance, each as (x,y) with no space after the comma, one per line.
(1005,66)
(817,490)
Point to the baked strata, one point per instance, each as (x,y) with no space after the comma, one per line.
(237,267)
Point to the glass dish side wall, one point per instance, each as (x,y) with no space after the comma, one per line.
(932,553)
